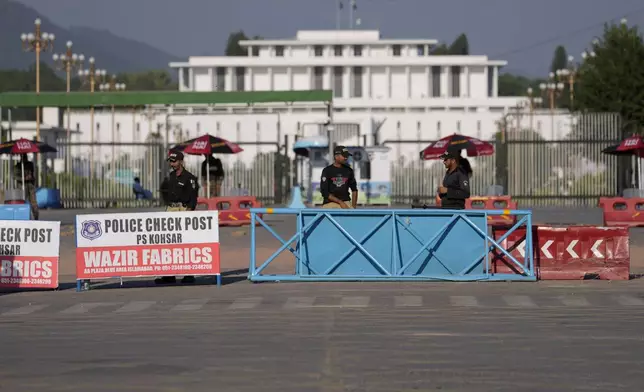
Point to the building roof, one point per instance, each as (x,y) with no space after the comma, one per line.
(337,37)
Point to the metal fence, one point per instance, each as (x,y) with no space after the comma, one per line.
(261,169)
(101,175)
(535,171)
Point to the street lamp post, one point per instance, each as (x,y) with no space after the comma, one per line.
(552,89)
(37,42)
(113,86)
(92,76)
(67,62)
(532,101)
(568,75)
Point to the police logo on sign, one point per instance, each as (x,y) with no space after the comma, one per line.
(91,230)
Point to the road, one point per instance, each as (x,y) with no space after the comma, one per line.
(546,336)
(327,337)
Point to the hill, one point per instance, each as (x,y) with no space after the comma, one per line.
(113,53)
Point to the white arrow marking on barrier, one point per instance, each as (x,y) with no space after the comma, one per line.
(545,247)
(570,249)
(594,249)
(521,248)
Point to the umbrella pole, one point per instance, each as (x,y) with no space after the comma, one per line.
(22,173)
(208,177)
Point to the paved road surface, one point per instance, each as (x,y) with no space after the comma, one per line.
(583,336)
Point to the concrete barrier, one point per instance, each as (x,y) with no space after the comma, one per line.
(570,252)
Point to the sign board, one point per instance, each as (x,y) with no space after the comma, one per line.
(29,254)
(147,244)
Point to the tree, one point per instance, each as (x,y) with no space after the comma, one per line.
(611,79)
(559,59)
(460,46)
(516,86)
(440,50)
(154,80)
(232,45)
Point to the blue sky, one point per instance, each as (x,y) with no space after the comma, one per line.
(523,32)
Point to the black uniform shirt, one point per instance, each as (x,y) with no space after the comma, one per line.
(458,189)
(337,181)
(183,188)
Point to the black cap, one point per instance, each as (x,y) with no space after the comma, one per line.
(449,155)
(175,156)
(341,150)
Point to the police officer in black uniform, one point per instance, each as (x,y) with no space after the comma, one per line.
(456,183)
(182,190)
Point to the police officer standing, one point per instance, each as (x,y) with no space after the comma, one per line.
(456,183)
(336,181)
(182,190)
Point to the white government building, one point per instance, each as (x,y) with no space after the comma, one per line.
(394,85)
(389,89)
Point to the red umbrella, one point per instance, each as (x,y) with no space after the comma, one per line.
(633,145)
(206,145)
(25,146)
(473,146)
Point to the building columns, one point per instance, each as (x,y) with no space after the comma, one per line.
(388,78)
(495,88)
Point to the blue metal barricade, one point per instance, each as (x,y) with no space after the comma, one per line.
(393,245)
(15,212)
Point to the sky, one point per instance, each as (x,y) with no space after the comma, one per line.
(522,32)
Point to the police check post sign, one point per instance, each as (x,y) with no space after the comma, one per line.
(29,252)
(147,244)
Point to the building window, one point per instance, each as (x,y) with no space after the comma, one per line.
(397,50)
(221,79)
(318,50)
(279,51)
(337,50)
(118,126)
(398,126)
(490,81)
(357,50)
(418,125)
(257,126)
(421,50)
(438,126)
(456,81)
(299,125)
(255,51)
(478,126)
(458,126)
(78,126)
(337,81)
(238,126)
(318,78)
(198,127)
(436,81)
(538,125)
(218,126)
(357,82)
(138,127)
(240,73)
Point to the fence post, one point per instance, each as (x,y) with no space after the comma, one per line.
(502,159)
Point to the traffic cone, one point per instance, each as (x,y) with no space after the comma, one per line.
(296,198)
